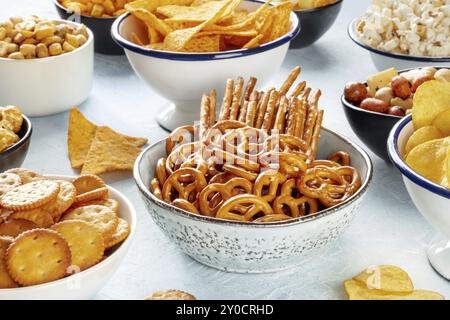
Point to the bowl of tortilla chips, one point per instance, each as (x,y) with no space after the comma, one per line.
(183,49)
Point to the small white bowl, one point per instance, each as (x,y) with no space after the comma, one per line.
(248,247)
(86,284)
(182,78)
(431,199)
(45,86)
(384,60)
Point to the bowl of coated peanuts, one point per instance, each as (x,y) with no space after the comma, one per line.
(46,66)
(97,15)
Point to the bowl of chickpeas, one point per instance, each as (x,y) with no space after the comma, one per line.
(46,66)
(97,15)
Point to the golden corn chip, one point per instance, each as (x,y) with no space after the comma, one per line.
(428,159)
(135,38)
(355,290)
(243,33)
(151,20)
(176,25)
(234,18)
(430,99)
(156,46)
(386,278)
(207,43)
(151,5)
(153,35)
(254,42)
(281,23)
(174,10)
(442,122)
(201,13)
(197,3)
(110,151)
(80,135)
(420,136)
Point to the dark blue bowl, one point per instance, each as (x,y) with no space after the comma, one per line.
(14,156)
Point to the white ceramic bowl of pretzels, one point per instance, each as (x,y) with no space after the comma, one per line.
(60,237)
(261,187)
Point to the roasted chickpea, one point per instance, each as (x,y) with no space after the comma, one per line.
(443,74)
(355,92)
(396,111)
(400,87)
(405,104)
(384,94)
(375,105)
(419,81)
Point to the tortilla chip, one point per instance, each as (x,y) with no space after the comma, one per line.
(201,13)
(253,43)
(208,43)
(281,23)
(151,5)
(110,151)
(79,138)
(151,20)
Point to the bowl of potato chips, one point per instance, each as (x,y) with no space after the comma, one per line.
(419,146)
(183,50)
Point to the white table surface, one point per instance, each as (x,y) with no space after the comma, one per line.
(387,230)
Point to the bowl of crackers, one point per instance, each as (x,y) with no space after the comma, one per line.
(183,50)
(60,237)
(32,49)
(259,187)
(15,137)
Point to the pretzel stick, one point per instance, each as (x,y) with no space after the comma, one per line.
(227,99)
(298,90)
(316,136)
(236,104)
(212,108)
(289,81)
(281,114)
(243,113)
(290,124)
(204,116)
(262,106)
(311,118)
(251,109)
(249,88)
(297,115)
(268,117)
(300,121)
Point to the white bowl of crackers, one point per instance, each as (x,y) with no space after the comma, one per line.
(180,57)
(60,237)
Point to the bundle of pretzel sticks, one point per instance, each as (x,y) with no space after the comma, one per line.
(257,161)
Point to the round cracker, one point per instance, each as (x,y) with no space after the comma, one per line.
(14,227)
(101,217)
(38,256)
(85,241)
(171,295)
(39,216)
(89,187)
(110,203)
(121,233)
(5,279)
(26,175)
(30,196)
(8,181)
(64,199)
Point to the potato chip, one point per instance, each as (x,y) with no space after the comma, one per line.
(428,159)
(80,135)
(420,136)
(356,290)
(386,278)
(430,99)
(110,151)
(442,122)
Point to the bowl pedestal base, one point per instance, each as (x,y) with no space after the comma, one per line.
(176,114)
(439,255)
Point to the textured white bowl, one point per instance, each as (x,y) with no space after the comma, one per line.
(86,284)
(252,247)
(431,199)
(182,78)
(384,60)
(41,87)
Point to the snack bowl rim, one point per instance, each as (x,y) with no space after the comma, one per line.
(57,3)
(22,140)
(405,169)
(200,218)
(354,37)
(318,8)
(124,246)
(59,21)
(204,56)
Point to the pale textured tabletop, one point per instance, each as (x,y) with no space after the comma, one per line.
(387,230)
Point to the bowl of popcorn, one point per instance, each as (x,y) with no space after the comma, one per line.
(60,237)
(97,16)
(183,50)
(46,66)
(15,137)
(405,33)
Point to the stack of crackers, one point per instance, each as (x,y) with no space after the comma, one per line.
(97,150)
(53,228)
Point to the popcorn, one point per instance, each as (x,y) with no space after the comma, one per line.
(412,27)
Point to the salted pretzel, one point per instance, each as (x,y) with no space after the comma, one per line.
(161,173)
(292,200)
(240,172)
(183,191)
(245,142)
(287,143)
(156,188)
(253,205)
(273,218)
(267,184)
(341,157)
(179,136)
(179,155)
(224,157)
(291,164)
(185,205)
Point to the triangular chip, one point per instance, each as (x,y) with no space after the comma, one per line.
(151,5)
(110,151)
(208,43)
(80,135)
